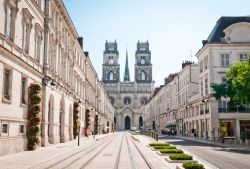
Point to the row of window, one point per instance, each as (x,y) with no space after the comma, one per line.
(204,87)
(127,100)
(11,12)
(7,85)
(5,129)
(224,60)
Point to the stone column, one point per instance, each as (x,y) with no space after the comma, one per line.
(237,124)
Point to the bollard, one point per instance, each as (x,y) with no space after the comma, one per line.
(156,136)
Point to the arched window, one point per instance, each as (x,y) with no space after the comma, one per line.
(127,100)
(111,60)
(144,100)
(143,75)
(143,61)
(112,100)
(111,75)
(140,122)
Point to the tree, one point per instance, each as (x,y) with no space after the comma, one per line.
(236,86)
(239,75)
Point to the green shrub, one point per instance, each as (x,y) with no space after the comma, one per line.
(192,165)
(159,144)
(164,147)
(180,157)
(171,151)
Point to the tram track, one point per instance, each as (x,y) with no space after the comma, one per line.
(84,165)
(148,164)
(71,155)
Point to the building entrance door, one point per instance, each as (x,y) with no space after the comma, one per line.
(127,123)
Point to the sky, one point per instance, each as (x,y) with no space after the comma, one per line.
(174,29)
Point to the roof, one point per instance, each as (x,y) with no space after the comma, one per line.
(224,21)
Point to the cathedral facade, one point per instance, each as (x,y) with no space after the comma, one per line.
(125,95)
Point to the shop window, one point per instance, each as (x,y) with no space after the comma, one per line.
(227,128)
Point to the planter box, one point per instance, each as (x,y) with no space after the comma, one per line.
(180,167)
(166,154)
(152,148)
(179,161)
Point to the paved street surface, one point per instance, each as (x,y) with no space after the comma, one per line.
(220,156)
(119,150)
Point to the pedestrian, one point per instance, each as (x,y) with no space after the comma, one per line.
(172,132)
(222,139)
(192,133)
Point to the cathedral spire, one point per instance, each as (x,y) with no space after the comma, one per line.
(126,74)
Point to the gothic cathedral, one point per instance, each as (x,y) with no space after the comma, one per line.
(127,96)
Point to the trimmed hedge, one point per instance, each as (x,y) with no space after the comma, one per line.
(159,144)
(171,151)
(192,165)
(164,147)
(180,157)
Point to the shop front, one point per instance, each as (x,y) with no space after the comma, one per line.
(244,130)
(228,127)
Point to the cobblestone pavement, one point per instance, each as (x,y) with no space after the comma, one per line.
(119,150)
(221,156)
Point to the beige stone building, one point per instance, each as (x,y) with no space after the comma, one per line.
(39,44)
(191,104)
(127,96)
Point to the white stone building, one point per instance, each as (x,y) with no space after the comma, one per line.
(39,44)
(191,104)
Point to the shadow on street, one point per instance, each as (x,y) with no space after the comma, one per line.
(183,142)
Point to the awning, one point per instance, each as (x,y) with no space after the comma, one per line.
(170,126)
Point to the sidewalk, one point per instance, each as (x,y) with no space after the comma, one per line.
(27,159)
(226,145)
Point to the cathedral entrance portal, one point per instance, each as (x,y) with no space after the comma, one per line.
(127,123)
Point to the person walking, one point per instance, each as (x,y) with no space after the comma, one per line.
(192,133)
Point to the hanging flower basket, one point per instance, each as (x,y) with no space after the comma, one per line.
(34,109)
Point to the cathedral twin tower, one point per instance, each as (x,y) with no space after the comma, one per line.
(111,66)
(127,96)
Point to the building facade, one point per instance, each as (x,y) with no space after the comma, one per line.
(191,103)
(127,96)
(39,44)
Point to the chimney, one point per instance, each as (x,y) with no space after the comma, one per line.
(186,62)
(86,54)
(80,41)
